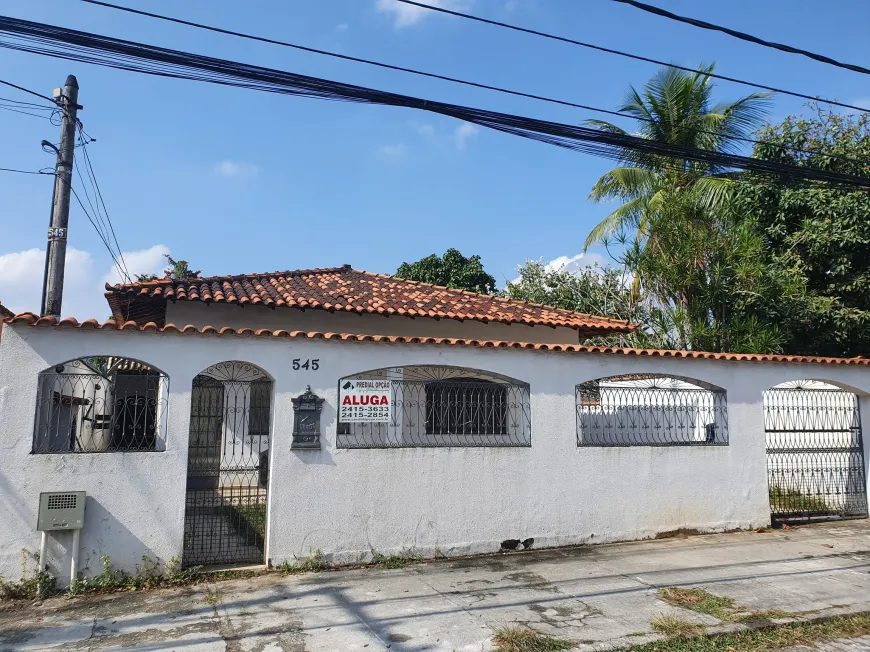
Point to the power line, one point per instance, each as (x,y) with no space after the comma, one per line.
(380,64)
(26,90)
(743,36)
(17,110)
(636,57)
(99,195)
(25,171)
(60,42)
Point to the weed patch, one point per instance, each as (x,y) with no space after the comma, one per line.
(673,626)
(313,563)
(718,606)
(792,500)
(149,575)
(775,637)
(249,522)
(394,561)
(520,639)
(35,583)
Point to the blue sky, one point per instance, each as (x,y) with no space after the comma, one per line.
(238,181)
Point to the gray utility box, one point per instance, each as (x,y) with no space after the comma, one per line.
(61,510)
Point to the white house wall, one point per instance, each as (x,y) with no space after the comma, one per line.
(348,502)
(222,315)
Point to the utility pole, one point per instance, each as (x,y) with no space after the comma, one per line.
(55,253)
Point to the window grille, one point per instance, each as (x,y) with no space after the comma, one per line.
(650,410)
(444,406)
(100,404)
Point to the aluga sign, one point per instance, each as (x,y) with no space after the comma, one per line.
(365,401)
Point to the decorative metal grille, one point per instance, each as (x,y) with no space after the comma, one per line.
(100,404)
(445,406)
(225,512)
(815,455)
(650,410)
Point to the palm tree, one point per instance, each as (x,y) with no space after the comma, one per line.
(675,108)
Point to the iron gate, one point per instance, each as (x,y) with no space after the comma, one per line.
(225,511)
(815,457)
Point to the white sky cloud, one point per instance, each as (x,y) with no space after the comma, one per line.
(573,264)
(343,27)
(392,151)
(463,132)
(236,169)
(406,15)
(863,102)
(21,275)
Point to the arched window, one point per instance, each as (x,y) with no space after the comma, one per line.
(432,405)
(100,404)
(650,410)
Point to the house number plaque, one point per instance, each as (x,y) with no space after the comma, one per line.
(306,420)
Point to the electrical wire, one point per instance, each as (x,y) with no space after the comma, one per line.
(24,171)
(27,90)
(743,36)
(60,42)
(99,196)
(16,110)
(620,53)
(380,64)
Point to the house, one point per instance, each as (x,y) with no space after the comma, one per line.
(258,418)
(345,300)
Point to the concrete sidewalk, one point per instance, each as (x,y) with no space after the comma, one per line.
(597,597)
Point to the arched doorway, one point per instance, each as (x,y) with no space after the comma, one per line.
(815,454)
(225,510)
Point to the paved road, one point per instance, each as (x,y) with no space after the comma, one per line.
(598,597)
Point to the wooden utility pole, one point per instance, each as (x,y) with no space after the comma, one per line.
(55,253)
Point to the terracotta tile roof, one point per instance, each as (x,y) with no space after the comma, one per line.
(29,319)
(346,289)
(5,313)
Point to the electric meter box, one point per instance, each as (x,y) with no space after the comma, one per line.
(61,510)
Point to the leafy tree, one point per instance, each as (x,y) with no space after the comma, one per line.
(178,270)
(817,234)
(452,270)
(602,291)
(696,262)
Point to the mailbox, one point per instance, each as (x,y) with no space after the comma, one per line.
(306,420)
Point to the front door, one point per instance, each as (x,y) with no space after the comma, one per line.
(225,511)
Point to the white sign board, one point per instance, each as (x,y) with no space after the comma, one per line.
(365,401)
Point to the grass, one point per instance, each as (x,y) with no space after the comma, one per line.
(720,607)
(149,575)
(521,639)
(394,561)
(37,583)
(672,626)
(769,638)
(792,500)
(249,521)
(313,563)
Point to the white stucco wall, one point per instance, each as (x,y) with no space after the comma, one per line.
(222,315)
(348,502)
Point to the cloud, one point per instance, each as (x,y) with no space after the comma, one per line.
(145,261)
(406,15)
(342,28)
(863,102)
(510,5)
(392,151)
(463,132)
(426,130)
(236,169)
(21,275)
(573,264)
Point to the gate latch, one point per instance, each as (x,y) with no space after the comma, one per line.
(264,469)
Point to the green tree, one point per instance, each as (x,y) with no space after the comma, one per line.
(817,234)
(675,107)
(451,270)
(696,263)
(594,290)
(178,270)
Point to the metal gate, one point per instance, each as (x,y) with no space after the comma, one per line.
(815,456)
(225,511)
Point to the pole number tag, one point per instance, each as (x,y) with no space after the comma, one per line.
(56,232)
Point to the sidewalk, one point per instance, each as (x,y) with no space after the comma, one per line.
(597,597)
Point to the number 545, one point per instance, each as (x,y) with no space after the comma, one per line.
(314,364)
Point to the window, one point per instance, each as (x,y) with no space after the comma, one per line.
(100,404)
(434,406)
(650,410)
